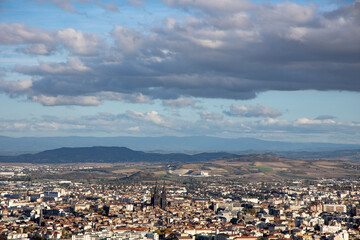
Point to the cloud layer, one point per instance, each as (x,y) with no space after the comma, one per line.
(227,49)
(152,123)
(252,111)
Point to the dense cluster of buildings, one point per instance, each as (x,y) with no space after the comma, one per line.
(322,209)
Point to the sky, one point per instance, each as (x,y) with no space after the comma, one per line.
(272,70)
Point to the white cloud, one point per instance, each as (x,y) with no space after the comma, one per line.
(304,126)
(72,66)
(79,42)
(37,126)
(308,121)
(19,33)
(152,123)
(127,40)
(130,98)
(44,42)
(205,115)
(136,3)
(222,6)
(68,5)
(179,103)
(285,13)
(54,126)
(252,111)
(38,49)
(152,116)
(63,4)
(14,126)
(14,88)
(133,129)
(208,43)
(67,100)
(297,33)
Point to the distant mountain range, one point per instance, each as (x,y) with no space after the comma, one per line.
(123,154)
(9,145)
(352,155)
(109,155)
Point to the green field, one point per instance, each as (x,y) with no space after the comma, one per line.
(262,169)
(293,176)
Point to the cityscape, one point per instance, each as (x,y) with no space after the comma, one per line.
(180,119)
(202,206)
(206,210)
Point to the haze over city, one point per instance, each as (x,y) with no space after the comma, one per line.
(273,70)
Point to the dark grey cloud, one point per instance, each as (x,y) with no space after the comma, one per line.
(229,49)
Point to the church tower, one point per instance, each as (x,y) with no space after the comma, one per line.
(156,198)
(163,203)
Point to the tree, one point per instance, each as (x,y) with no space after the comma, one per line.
(65,234)
(29,229)
(37,237)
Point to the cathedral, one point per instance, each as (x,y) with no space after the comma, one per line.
(158,197)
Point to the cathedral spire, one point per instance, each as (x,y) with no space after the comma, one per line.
(158,196)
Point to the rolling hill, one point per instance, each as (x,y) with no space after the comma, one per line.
(109,155)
